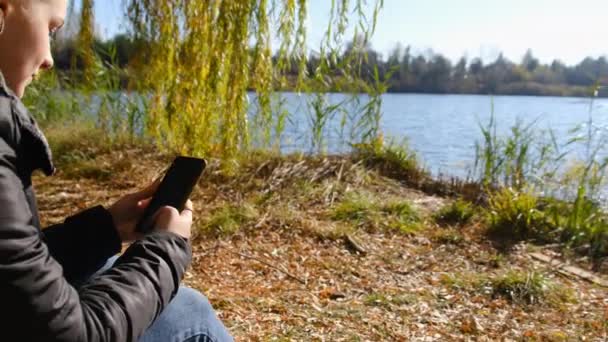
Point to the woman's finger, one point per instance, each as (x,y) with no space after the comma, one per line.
(142,204)
(188,208)
(189,205)
(149,190)
(186,213)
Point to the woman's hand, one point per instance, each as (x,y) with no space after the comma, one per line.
(127,211)
(169,219)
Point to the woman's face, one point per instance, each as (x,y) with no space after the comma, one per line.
(25,42)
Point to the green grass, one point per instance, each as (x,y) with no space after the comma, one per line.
(448,237)
(496,260)
(76,146)
(458,212)
(388,300)
(82,139)
(514,169)
(515,215)
(49,103)
(582,223)
(521,215)
(529,288)
(74,140)
(521,287)
(402,216)
(229,219)
(510,161)
(365,211)
(357,208)
(93,169)
(518,287)
(396,161)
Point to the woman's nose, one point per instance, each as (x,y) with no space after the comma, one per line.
(47,63)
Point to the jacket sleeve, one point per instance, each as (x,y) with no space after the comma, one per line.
(83,243)
(117,305)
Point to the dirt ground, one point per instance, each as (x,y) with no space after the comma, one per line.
(292,272)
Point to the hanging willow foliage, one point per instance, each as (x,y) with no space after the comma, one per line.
(84,44)
(199,58)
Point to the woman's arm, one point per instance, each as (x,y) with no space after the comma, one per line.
(38,303)
(83,243)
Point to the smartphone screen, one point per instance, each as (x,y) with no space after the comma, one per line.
(175,188)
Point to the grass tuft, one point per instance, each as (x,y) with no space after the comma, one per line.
(448,237)
(518,287)
(387,300)
(78,145)
(230,219)
(70,141)
(369,213)
(515,215)
(520,215)
(405,218)
(529,288)
(395,161)
(458,212)
(357,208)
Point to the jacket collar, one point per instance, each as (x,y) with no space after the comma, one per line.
(33,144)
(4,89)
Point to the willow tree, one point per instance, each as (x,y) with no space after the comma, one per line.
(199,57)
(84,43)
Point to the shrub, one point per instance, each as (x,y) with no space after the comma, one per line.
(515,215)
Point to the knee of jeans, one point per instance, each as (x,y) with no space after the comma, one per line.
(192,302)
(195,304)
(188,317)
(194,299)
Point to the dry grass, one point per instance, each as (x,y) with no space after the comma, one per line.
(284,271)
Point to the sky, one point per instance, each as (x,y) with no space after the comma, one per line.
(567,30)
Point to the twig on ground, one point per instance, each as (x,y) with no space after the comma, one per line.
(568,270)
(351,243)
(262,221)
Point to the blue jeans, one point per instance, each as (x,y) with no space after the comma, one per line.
(189,317)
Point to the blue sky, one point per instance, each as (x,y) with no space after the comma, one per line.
(564,29)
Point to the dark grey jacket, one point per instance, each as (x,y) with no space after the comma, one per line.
(38,268)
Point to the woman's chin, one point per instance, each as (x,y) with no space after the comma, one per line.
(20,89)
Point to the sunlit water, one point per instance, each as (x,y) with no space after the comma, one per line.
(443,129)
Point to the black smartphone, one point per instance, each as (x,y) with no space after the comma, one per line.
(174,190)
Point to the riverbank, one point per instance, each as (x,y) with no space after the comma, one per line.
(345,248)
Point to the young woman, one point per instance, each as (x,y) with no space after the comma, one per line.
(47,291)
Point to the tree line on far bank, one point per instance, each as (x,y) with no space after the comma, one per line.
(407,72)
